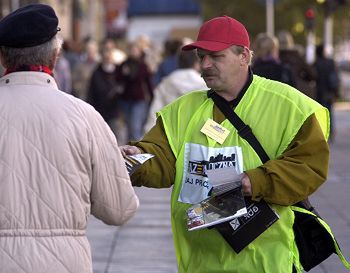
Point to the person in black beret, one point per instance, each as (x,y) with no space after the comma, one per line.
(28,26)
(59,160)
(22,31)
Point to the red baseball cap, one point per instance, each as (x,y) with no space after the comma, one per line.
(220,33)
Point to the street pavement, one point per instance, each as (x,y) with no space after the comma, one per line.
(332,199)
(144,244)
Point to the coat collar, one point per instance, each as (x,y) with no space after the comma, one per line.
(28,78)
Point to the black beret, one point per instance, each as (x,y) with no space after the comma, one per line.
(28,26)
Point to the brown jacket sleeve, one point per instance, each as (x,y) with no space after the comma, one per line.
(159,172)
(298,172)
(293,176)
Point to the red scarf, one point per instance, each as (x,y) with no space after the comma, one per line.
(31,67)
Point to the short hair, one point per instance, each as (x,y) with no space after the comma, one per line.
(172,47)
(236,49)
(265,45)
(42,54)
(285,40)
(187,59)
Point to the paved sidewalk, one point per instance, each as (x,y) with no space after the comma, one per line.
(332,199)
(144,244)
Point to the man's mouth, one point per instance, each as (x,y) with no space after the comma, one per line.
(208,75)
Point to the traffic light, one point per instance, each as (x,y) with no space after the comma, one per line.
(310,19)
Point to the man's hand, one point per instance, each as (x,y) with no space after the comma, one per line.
(129,150)
(246,185)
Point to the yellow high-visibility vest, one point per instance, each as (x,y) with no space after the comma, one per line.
(275,112)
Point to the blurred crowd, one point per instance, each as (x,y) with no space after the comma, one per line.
(128,82)
(121,79)
(278,58)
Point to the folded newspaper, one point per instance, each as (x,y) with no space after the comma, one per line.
(133,162)
(225,203)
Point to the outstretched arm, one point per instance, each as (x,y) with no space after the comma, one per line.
(159,172)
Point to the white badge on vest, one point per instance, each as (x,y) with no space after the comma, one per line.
(215,131)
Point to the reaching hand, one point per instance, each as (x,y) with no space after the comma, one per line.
(246,185)
(129,150)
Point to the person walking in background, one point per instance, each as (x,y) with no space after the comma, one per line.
(327,83)
(179,82)
(103,91)
(60,162)
(71,51)
(169,62)
(303,73)
(63,74)
(150,52)
(291,127)
(266,62)
(119,55)
(82,72)
(135,78)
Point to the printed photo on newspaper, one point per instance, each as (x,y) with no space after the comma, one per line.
(225,203)
(217,209)
(133,162)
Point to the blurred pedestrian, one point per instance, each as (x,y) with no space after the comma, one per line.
(135,78)
(60,162)
(266,61)
(179,82)
(103,91)
(71,52)
(169,62)
(119,55)
(291,127)
(303,73)
(327,83)
(82,72)
(63,74)
(150,52)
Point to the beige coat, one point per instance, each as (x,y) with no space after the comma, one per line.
(59,162)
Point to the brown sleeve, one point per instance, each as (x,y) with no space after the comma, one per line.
(298,172)
(158,172)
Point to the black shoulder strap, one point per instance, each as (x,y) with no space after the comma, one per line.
(243,129)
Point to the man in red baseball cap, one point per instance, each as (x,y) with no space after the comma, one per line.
(193,135)
(220,33)
(226,39)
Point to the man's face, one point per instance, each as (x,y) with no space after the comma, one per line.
(220,70)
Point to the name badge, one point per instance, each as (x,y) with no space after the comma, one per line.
(215,131)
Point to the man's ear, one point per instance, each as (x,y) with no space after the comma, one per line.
(245,56)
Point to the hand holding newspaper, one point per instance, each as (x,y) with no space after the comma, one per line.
(133,162)
(225,203)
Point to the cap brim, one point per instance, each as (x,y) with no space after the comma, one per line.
(206,45)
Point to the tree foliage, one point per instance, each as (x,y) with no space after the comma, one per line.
(289,15)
